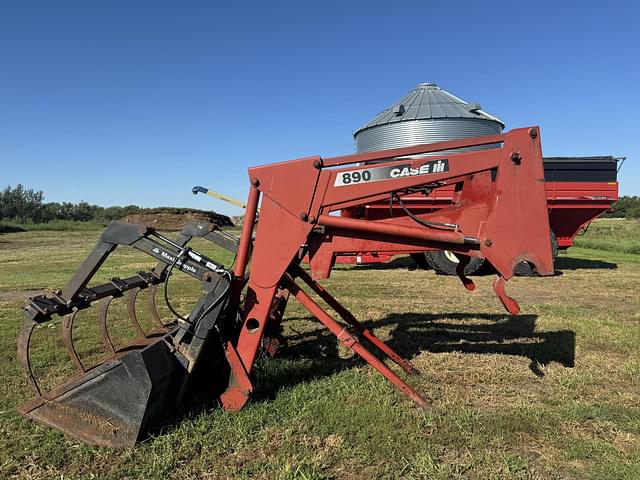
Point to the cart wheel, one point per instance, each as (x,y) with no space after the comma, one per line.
(524,269)
(421,262)
(445,263)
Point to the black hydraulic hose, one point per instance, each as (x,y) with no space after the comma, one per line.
(213,304)
(425,223)
(209,308)
(166,291)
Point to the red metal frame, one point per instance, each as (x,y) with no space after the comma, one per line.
(499,212)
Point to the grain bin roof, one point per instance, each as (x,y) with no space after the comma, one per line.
(428,101)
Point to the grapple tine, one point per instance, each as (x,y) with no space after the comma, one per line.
(151,304)
(103,309)
(67,339)
(24,338)
(131,311)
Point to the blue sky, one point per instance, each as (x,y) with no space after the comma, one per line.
(134,102)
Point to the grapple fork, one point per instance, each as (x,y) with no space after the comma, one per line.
(120,400)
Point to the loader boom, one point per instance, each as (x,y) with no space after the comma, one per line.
(503,219)
(499,213)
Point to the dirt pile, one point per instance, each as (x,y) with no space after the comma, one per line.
(175,221)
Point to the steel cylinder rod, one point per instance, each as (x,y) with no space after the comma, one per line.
(393,230)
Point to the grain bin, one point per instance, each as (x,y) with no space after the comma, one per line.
(427,114)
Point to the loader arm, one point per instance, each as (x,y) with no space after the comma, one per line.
(499,212)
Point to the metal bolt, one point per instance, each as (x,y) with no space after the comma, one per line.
(317,164)
(533,133)
(516,157)
(488,242)
(303,216)
(255,182)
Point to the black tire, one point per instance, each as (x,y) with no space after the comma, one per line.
(421,262)
(524,269)
(444,264)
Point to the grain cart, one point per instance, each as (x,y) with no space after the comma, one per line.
(500,214)
(578,190)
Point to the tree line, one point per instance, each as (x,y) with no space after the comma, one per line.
(25,205)
(625,207)
(22,204)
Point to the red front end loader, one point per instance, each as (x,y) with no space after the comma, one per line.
(500,213)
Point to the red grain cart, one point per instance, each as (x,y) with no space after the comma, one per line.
(578,190)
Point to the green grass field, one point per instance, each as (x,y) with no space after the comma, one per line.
(552,393)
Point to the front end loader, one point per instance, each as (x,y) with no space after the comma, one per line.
(499,213)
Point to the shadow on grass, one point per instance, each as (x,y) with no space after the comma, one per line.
(570,263)
(499,334)
(413,333)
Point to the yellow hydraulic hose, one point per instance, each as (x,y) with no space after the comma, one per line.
(219,196)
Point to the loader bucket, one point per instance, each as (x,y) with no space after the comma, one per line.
(134,390)
(120,401)
(113,403)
